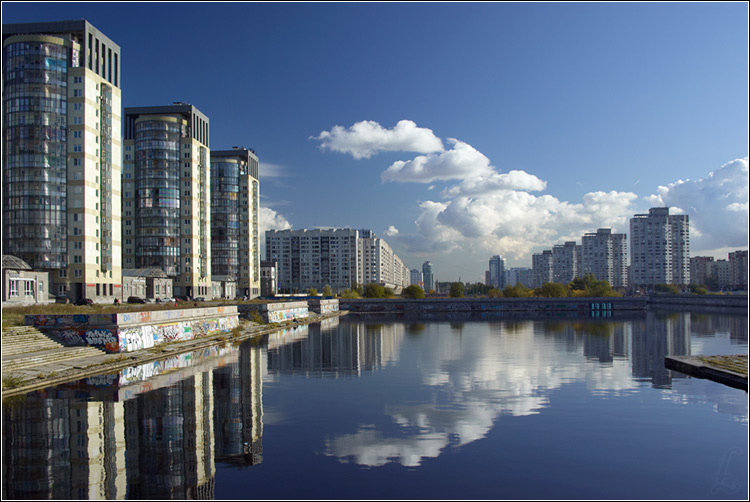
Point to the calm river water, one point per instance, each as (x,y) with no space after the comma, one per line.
(363,407)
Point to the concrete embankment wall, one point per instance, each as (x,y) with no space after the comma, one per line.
(129,331)
(712,303)
(277,311)
(578,307)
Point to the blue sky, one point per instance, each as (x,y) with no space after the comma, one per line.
(457,131)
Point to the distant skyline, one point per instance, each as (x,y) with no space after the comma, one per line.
(458,131)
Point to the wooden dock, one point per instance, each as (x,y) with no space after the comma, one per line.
(729,370)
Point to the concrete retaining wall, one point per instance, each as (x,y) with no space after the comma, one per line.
(323,306)
(129,331)
(277,311)
(589,307)
(725,303)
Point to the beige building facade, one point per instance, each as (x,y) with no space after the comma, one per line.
(62,155)
(166,195)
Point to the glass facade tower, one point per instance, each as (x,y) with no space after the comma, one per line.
(61,155)
(235,206)
(166,184)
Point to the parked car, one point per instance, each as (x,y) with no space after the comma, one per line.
(62,299)
(84,301)
(200,299)
(136,299)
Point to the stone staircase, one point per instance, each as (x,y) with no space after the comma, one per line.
(25,347)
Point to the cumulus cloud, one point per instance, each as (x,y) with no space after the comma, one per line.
(512,180)
(460,162)
(268,219)
(367,138)
(515,222)
(716,205)
(484,210)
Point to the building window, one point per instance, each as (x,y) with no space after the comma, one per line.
(13,288)
(28,288)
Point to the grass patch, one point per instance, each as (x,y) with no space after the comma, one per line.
(12,381)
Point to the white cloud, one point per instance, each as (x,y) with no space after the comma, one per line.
(460,162)
(268,170)
(717,206)
(367,138)
(486,211)
(513,180)
(271,220)
(515,222)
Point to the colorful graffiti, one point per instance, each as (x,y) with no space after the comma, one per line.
(113,339)
(287,314)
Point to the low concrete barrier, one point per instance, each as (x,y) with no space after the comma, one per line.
(277,311)
(323,306)
(129,331)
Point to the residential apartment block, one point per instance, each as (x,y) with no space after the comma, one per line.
(605,255)
(235,204)
(659,248)
(166,195)
(496,273)
(415,277)
(379,264)
(542,265)
(334,257)
(62,155)
(566,262)
(428,277)
(720,274)
(738,272)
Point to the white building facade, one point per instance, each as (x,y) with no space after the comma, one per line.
(605,256)
(660,248)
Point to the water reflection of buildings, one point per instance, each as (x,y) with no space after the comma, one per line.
(659,335)
(350,349)
(238,414)
(645,341)
(83,442)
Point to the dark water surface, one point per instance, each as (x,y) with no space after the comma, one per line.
(370,408)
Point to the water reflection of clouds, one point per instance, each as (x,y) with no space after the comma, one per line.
(472,379)
(721,398)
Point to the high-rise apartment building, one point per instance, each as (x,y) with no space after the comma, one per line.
(235,204)
(334,257)
(605,255)
(522,275)
(428,277)
(496,276)
(542,268)
(415,277)
(738,263)
(659,248)
(566,262)
(62,155)
(379,263)
(314,258)
(166,195)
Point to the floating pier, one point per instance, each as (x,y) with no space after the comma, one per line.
(729,370)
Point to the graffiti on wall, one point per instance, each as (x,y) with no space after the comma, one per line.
(287,314)
(112,339)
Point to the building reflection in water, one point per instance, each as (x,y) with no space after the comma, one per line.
(154,439)
(158,431)
(332,349)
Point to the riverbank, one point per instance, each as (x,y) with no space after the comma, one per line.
(34,366)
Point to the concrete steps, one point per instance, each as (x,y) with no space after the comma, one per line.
(25,347)
(24,339)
